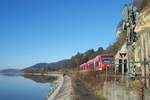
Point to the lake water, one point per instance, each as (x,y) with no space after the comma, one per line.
(24,88)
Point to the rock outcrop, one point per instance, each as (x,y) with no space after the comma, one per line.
(143,30)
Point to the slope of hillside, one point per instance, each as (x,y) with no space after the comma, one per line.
(44,67)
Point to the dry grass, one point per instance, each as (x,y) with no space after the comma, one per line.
(85,87)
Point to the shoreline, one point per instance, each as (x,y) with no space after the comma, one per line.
(64,90)
(60,80)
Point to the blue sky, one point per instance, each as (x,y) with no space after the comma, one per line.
(33,31)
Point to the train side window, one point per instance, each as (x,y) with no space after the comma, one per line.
(91,66)
(97,63)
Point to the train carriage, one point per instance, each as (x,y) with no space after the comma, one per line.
(91,65)
(84,67)
(100,62)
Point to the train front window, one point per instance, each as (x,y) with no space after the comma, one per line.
(107,59)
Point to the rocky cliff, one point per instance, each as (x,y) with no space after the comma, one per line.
(143,29)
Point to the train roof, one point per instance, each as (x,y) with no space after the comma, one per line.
(84,64)
(109,54)
(102,55)
(91,61)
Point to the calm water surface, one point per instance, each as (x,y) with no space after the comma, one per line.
(21,88)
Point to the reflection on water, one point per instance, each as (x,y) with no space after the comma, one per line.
(24,88)
(41,78)
(10,74)
(119,89)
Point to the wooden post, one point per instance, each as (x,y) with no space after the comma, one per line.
(142,57)
(147,59)
(122,65)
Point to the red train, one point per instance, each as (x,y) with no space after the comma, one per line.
(99,63)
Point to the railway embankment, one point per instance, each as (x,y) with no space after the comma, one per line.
(64,89)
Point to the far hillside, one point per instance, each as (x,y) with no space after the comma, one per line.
(44,67)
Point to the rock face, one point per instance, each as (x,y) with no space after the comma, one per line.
(142,51)
(143,30)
